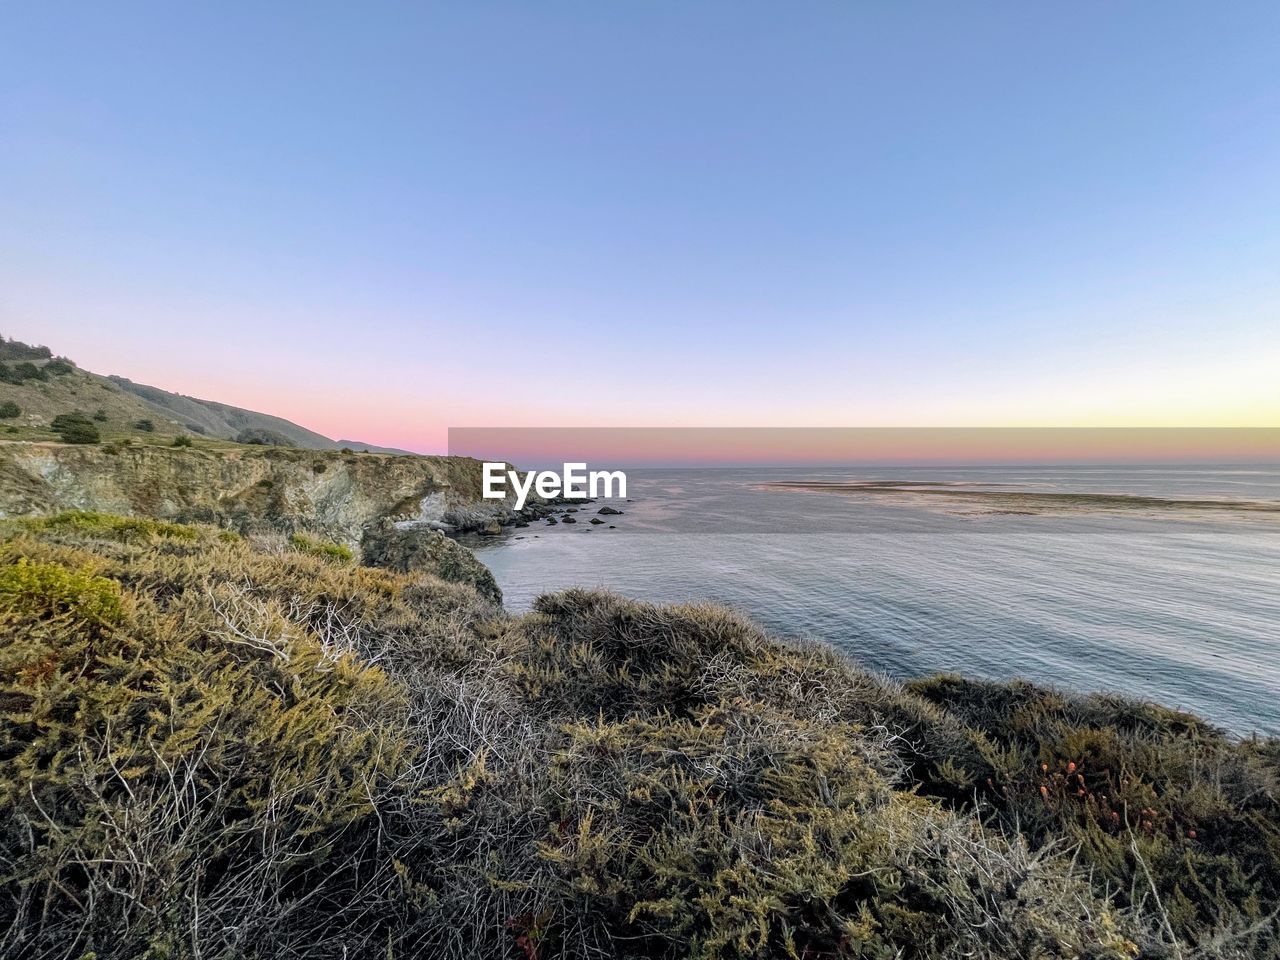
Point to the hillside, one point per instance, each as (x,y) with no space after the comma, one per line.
(226,747)
(218,419)
(42,387)
(213,419)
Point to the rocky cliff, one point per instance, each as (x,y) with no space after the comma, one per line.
(330,493)
(390,508)
(337,495)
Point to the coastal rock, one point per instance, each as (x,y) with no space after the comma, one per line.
(609,512)
(492,528)
(251,489)
(568,520)
(596,520)
(427,551)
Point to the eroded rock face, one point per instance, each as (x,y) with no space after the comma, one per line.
(391,508)
(328,493)
(428,551)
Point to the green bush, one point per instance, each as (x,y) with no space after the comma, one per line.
(181,441)
(321,548)
(219,779)
(9,410)
(145,425)
(109,525)
(17,350)
(21,372)
(75,428)
(59,367)
(258,436)
(1155,799)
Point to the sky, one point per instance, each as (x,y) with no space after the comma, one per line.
(382,220)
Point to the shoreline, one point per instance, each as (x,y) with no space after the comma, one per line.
(1023,501)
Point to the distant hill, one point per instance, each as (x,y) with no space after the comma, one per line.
(222,420)
(213,419)
(41,386)
(36,387)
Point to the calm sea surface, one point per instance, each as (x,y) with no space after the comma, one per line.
(1173,605)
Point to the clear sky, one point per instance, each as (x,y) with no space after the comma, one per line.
(380,220)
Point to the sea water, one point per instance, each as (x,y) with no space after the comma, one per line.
(1170,605)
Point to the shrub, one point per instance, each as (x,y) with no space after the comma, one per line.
(59,367)
(75,428)
(17,350)
(72,598)
(9,410)
(261,437)
(321,548)
(229,782)
(199,757)
(145,425)
(1156,799)
(110,526)
(181,441)
(100,415)
(21,372)
(740,832)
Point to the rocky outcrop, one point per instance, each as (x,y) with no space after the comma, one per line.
(335,495)
(430,551)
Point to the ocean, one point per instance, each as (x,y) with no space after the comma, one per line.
(946,569)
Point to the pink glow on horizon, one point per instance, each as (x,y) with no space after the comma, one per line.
(398,398)
(786,446)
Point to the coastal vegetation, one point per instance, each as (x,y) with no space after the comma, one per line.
(43,386)
(321,548)
(75,427)
(219,745)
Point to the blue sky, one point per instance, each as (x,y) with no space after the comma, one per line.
(384,219)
